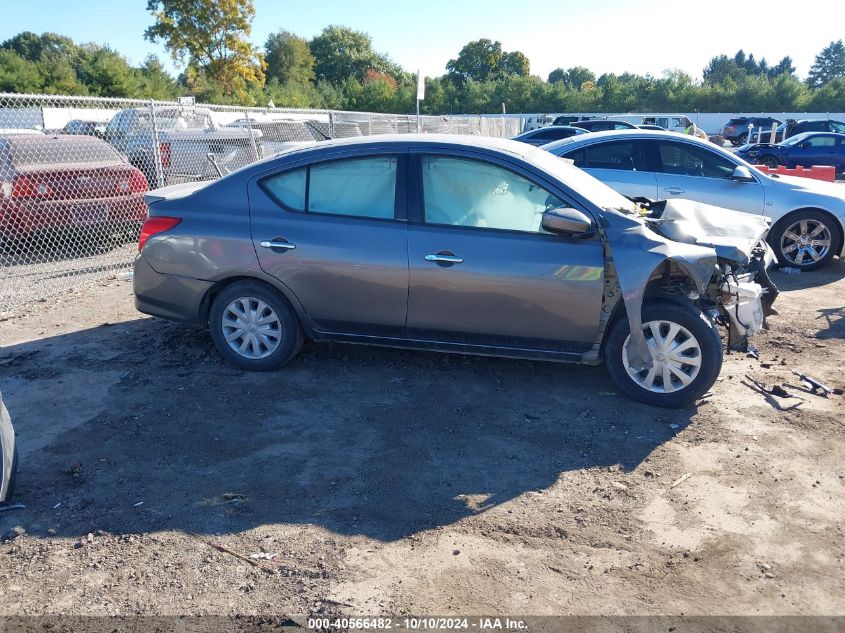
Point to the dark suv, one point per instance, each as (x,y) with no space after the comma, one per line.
(736,130)
(793,127)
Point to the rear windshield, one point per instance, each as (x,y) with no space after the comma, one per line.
(47,150)
(737,121)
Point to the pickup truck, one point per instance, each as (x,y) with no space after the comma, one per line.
(190,146)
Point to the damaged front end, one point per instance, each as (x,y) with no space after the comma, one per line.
(713,257)
(7,453)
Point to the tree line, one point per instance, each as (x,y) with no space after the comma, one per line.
(339,69)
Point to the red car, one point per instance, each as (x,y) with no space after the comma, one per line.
(63,182)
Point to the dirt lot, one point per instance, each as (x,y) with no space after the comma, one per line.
(395,482)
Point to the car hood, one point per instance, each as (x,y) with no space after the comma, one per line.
(7,450)
(733,235)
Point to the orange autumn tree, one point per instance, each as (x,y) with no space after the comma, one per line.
(212,37)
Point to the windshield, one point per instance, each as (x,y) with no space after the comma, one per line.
(594,190)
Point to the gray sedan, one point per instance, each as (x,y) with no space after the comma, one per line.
(456,244)
(808,215)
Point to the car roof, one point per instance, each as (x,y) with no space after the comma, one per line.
(456,140)
(607,135)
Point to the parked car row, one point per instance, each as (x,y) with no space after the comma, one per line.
(805,149)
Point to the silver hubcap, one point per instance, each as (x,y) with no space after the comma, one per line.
(251,328)
(676,357)
(805,242)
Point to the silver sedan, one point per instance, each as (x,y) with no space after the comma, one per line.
(808,215)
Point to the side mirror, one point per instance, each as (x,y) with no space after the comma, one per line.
(742,174)
(567,221)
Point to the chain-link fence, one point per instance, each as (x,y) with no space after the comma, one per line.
(74,170)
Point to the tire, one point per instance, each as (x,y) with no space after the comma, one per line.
(793,241)
(769,161)
(706,350)
(742,139)
(270,335)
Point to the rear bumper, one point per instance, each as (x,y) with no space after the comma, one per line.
(22,217)
(168,296)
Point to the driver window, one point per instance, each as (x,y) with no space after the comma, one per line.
(688,160)
(462,192)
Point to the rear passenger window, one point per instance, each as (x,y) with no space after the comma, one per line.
(625,156)
(360,187)
(363,187)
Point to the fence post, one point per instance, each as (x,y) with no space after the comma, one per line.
(255,155)
(159,171)
(331,123)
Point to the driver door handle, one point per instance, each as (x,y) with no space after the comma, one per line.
(448,259)
(276,243)
(674,190)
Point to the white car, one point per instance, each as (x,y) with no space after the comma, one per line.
(8,455)
(808,215)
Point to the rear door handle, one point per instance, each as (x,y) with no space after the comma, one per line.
(445,259)
(674,190)
(277,243)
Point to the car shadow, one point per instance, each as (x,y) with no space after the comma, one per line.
(834,318)
(139,427)
(829,274)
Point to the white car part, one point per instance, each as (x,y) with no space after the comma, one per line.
(745,307)
(7,451)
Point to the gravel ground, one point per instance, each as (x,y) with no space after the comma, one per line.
(384,481)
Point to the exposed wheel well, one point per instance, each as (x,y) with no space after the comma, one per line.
(837,226)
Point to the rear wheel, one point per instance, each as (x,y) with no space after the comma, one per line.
(804,240)
(686,352)
(253,327)
(742,139)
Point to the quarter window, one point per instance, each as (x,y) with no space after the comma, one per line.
(361,187)
(688,160)
(462,192)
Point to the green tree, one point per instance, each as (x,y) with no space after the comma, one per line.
(154,82)
(515,64)
(289,58)
(829,65)
(105,72)
(783,67)
(212,36)
(340,53)
(18,74)
(479,60)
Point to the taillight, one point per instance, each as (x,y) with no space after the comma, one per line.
(138,182)
(25,187)
(731,129)
(155,225)
(164,152)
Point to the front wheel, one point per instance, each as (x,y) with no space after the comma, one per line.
(769,161)
(803,240)
(686,352)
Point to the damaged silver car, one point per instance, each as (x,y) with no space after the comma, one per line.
(456,244)
(8,454)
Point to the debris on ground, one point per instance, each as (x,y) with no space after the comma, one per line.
(813,384)
(14,533)
(14,506)
(263,556)
(680,480)
(774,390)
